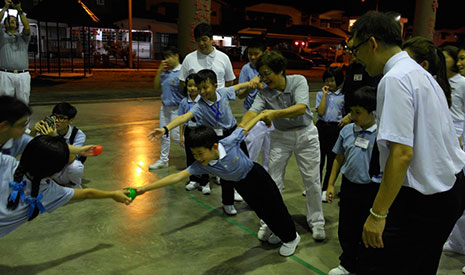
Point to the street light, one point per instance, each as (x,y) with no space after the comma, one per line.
(130,34)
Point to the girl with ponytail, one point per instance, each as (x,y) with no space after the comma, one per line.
(26,188)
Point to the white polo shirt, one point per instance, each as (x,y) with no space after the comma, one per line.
(412,110)
(457,109)
(216,61)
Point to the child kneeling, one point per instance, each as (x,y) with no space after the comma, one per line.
(225,158)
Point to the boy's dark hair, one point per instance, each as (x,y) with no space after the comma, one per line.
(169,52)
(257,44)
(203,29)
(335,72)
(64,108)
(453,51)
(205,75)
(202,136)
(364,97)
(379,25)
(274,60)
(42,157)
(424,49)
(12,109)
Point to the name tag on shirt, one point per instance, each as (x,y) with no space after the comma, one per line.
(358,77)
(219,132)
(362,142)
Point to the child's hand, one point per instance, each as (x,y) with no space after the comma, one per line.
(43,128)
(86,150)
(325,89)
(268,116)
(139,190)
(330,193)
(156,134)
(120,196)
(344,121)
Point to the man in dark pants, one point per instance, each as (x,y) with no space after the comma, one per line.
(423,184)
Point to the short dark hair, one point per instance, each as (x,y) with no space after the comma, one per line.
(335,72)
(64,108)
(274,60)
(202,136)
(12,109)
(203,29)
(379,25)
(453,51)
(205,75)
(364,97)
(169,51)
(257,44)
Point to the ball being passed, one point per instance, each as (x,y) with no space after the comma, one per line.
(98,149)
(131,194)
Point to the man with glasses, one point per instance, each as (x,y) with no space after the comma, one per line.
(422,192)
(285,101)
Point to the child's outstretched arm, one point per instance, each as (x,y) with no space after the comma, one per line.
(337,164)
(157,133)
(251,123)
(169,180)
(92,193)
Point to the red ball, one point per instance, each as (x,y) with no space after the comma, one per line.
(98,149)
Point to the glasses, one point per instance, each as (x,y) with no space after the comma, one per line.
(354,49)
(59,117)
(265,74)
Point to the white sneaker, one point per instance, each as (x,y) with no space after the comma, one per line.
(304,193)
(217,180)
(323,196)
(158,165)
(287,249)
(206,189)
(273,239)
(230,210)
(319,233)
(192,185)
(340,270)
(237,196)
(463,270)
(264,233)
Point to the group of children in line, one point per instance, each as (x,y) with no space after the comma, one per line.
(276,111)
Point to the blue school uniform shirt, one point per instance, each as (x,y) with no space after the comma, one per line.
(15,147)
(185,106)
(216,114)
(171,90)
(356,165)
(232,165)
(334,106)
(54,196)
(247,73)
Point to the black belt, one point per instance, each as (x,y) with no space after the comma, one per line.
(14,71)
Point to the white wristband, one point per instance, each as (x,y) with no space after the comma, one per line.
(377,215)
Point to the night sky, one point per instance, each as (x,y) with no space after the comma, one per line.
(449,14)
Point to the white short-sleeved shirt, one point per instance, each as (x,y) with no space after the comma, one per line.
(412,110)
(15,147)
(79,139)
(54,196)
(216,61)
(457,109)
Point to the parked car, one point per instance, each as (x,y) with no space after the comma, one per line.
(317,58)
(296,61)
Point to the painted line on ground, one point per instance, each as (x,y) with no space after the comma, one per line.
(251,232)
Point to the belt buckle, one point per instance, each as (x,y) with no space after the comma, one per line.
(15,71)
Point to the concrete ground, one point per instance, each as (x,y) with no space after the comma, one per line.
(167,231)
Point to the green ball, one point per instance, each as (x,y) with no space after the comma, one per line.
(132,193)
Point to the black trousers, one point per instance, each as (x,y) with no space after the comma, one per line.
(328,132)
(227,189)
(416,229)
(354,207)
(202,179)
(261,193)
